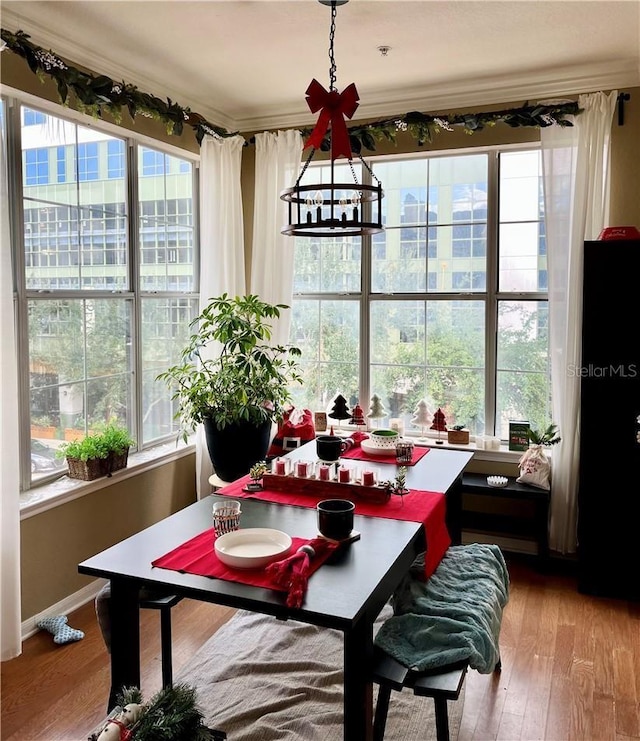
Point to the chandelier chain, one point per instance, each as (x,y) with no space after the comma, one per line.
(332,60)
(304,167)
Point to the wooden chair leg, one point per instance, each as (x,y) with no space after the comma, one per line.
(382,708)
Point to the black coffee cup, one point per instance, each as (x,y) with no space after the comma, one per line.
(335,518)
(330,447)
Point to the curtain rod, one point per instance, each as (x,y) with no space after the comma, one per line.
(622,98)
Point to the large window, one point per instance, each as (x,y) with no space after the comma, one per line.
(448,304)
(106,283)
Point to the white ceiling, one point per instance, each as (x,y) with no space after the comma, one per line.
(245,65)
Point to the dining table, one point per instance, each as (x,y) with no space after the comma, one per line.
(347,592)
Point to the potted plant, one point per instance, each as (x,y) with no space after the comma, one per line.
(240,392)
(546,437)
(535,466)
(458,435)
(98,454)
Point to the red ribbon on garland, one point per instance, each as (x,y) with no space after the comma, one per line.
(335,106)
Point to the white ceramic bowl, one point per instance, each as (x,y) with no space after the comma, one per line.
(252,547)
(383,439)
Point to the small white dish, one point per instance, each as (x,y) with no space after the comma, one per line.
(252,547)
(497,481)
(375,450)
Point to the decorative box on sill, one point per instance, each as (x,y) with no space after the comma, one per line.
(330,489)
(458,437)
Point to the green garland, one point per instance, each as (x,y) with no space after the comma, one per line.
(95,94)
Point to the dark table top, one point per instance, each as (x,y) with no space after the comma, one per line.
(357,579)
(436,471)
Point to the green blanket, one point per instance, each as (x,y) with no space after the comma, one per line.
(453,616)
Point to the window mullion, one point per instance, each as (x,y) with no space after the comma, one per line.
(16,210)
(491,308)
(134,250)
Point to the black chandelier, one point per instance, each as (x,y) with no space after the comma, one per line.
(333,209)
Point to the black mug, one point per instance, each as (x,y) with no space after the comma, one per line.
(335,518)
(330,447)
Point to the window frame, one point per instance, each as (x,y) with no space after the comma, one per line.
(46,490)
(491,295)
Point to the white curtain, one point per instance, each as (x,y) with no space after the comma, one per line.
(278,156)
(575,163)
(221,245)
(10,614)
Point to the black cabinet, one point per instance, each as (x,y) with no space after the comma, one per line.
(609,488)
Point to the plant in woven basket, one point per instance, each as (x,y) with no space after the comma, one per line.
(98,454)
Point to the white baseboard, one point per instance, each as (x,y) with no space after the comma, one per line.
(64,607)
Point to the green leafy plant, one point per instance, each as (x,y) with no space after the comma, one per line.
(546,437)
(114,439)
(257,471)
(397,486)
(248,381)
(458,428)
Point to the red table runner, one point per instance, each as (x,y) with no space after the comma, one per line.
(427,507)
(359,454)
(197,556)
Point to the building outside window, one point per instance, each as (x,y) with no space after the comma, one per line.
(100,321)
(448,304)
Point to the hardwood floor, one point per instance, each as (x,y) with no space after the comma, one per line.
(571,669)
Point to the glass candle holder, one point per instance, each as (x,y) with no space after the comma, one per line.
(344,475)
(324,472)
(281,466)
(404,452)
(303,469)
(368,478)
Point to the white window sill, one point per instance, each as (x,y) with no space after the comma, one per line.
(63,490)
(503,454)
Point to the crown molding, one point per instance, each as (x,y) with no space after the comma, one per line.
(77,54)
(469,92)
(554,83)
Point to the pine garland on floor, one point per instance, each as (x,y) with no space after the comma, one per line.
(171,714)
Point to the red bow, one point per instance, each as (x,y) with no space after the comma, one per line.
(335,106)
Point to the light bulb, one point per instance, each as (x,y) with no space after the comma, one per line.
(318,199)
(355,198)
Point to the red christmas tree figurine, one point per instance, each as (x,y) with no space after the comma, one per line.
(439,424)
(357,416)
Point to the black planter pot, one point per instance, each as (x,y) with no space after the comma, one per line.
(235,448)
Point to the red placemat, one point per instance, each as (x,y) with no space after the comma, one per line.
(359,454)
(197,556)
(427,507)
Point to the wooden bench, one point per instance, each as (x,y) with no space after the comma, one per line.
(535,528)
(442,685)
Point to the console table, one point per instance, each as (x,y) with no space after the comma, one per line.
(535,528)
